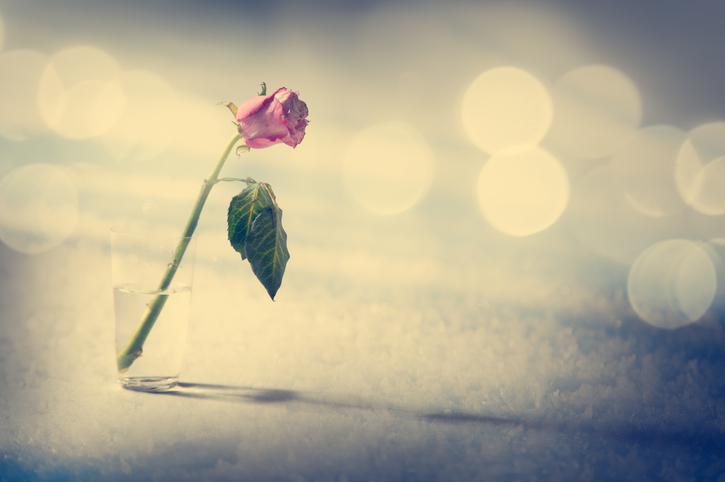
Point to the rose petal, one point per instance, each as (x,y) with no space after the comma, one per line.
(276,118)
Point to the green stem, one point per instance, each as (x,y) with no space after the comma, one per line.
(134,347)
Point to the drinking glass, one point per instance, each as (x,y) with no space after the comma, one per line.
(141,283)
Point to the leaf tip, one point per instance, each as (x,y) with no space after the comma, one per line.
(230,105)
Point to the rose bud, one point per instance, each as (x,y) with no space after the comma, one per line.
(268,120)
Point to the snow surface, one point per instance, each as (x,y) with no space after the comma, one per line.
(395,375)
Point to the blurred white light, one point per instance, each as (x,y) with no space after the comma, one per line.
(711,195)
(645,168)
(596,110)
(145,129)
(688,172)
(38,208)
(506,110)
(20,72)
(388,168)
(672,283)
(604,221)
(700,169)
(199,126)
(524,193)
(90,109)
(78,95)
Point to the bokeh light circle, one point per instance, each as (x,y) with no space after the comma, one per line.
(596,110)
(700,169)
(388,168)
(524,193)
(205,127)
(143,131)
(79,96)
(645,169)
(506,110)
(20,72)
(38,208)
(672,283)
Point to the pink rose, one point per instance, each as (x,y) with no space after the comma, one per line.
(268,120)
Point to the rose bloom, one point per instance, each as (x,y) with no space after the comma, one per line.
(268,120)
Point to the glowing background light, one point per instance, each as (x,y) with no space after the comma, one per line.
(20,72)
(38,208)
(202,125)
(524,193)
(388,168)
(700,169)
(711,195)
(645,168)
(146,127)
(79,96)
(688,172)
(596,110)
(506,110)
(672,283)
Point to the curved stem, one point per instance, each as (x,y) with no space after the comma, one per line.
(134,346)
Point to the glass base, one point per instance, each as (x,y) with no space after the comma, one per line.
(149,384)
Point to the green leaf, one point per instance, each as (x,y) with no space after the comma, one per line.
(243,210)
(266,248)
(255,231)
(230,105)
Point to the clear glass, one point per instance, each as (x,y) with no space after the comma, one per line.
(139,263)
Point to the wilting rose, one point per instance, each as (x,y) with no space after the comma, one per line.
(268,120)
